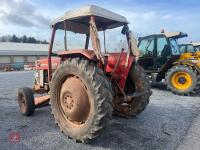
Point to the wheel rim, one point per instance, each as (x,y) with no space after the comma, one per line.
(181,80)
(74,101)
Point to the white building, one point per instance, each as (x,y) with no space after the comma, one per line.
(24,53)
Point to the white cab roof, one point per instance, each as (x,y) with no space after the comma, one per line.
(77,20)
(175,34)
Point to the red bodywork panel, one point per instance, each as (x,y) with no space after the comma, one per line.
(42,64)
(121,71)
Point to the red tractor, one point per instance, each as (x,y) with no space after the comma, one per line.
(85,87)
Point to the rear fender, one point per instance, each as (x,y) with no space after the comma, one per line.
(88,54)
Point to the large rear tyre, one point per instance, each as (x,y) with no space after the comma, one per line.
(26,101)
(81,99)
(138,82)
(182,80)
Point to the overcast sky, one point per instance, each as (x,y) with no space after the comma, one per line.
(33,17)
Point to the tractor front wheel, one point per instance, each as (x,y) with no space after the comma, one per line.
(182,80)
(26,101)
(81,99)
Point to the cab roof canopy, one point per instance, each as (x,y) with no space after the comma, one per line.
(77,20)
(196,44)
(175,35)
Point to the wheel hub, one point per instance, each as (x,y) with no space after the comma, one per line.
(68,101)
(74,100)
(182,80)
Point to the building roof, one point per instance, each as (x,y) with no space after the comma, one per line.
(11,46)
(77,20)
(23,53)
(26,49)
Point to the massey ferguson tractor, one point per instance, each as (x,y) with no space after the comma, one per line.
(85,87)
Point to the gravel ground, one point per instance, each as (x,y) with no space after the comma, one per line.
(163,125)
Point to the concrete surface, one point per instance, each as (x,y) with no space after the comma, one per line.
(169,122)
(192,139)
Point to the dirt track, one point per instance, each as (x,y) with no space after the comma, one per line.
(163,125)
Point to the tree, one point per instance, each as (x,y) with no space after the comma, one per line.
(23,39)
(15,38)
(6,38)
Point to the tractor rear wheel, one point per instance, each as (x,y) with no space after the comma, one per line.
(81,98)
(26,101)
(182,80)
(138,82)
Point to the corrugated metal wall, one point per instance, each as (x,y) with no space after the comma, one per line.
(4,59)
(31,59)
(18,59)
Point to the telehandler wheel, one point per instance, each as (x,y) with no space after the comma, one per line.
(138,82)
(81,99)
(26,101)
(182,80)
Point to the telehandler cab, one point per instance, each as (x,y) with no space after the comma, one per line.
(190,48)
(161,59)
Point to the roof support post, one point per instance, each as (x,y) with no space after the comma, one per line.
(95,40)
(87,41)
(65,38)
(50,53)
(104,41)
